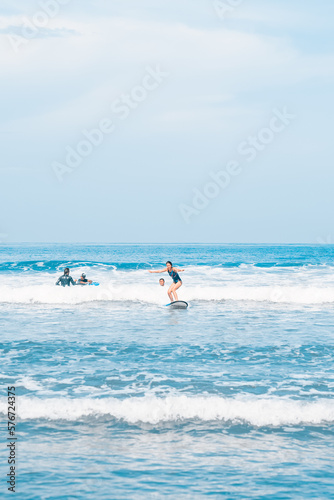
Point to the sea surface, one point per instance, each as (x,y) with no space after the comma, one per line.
(119,397)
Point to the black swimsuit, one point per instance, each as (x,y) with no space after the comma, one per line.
(175,277)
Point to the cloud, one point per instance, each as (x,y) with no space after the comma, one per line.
(18,30)
(73,80)
(285,15)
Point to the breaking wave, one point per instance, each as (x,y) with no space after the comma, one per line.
(152,294)
(257,412)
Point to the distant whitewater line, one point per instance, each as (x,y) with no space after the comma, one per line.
(58,266)
(258,412)
(152,294)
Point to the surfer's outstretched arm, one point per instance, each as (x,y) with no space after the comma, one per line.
(161,271)
(178,270)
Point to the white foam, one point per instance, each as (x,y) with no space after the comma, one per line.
(29,383)
(47,294)
(201,283)
(275,294)
(254,411)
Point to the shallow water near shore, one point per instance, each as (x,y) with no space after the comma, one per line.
(120,397)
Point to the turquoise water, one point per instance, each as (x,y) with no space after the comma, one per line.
(120,397)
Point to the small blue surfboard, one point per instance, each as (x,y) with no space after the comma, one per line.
(94,283)
(178,304)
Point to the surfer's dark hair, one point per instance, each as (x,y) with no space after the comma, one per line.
(169,262)
(161,279)
(66,270)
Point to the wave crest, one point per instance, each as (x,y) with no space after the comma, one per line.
(258,412)
(153,294)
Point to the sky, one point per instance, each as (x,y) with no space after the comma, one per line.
(204,121)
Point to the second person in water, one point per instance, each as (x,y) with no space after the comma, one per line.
(177,282)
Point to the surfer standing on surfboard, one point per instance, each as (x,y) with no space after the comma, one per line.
(177,282)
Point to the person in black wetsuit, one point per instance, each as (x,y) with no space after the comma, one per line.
(65,279)
(177,282)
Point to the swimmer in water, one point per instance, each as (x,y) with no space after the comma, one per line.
(65,279)
(83,280)
(177,282)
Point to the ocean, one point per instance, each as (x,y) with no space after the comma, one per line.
(119,397)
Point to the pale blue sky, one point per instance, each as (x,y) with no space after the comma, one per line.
(226,75)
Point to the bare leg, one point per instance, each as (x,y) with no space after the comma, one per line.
(170,293)
(175,287)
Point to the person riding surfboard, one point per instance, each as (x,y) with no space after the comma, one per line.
(177,282)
